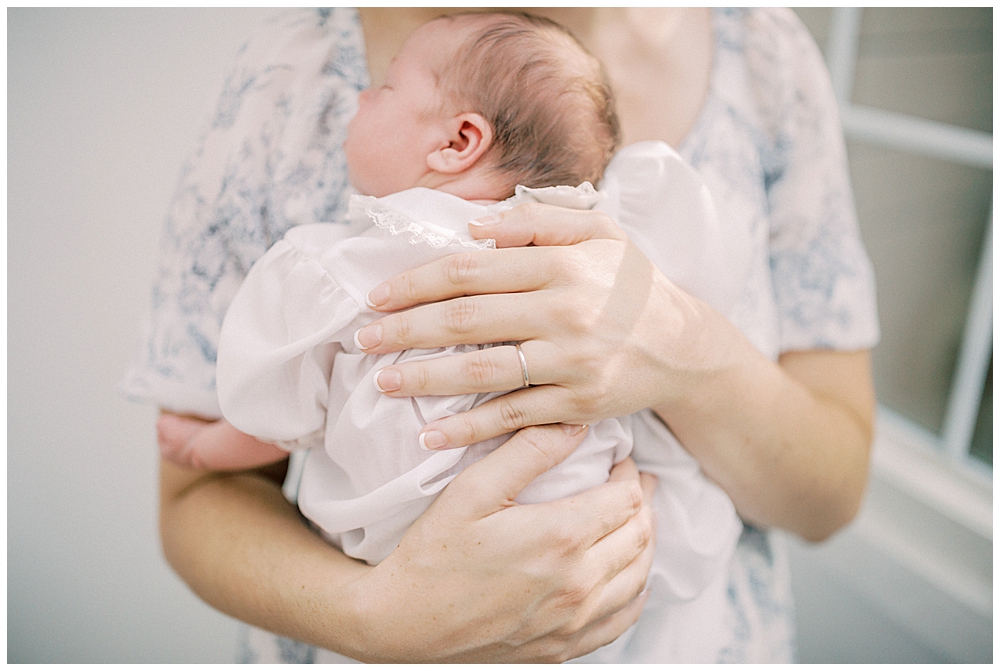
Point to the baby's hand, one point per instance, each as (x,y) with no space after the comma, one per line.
(217,446)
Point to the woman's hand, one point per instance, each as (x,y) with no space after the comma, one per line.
(484,579)
(476,578)
(603,332)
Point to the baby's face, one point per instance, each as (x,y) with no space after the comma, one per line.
(398,124)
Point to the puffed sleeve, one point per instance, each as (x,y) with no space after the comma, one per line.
(823,280)
(279,339)
(271,157)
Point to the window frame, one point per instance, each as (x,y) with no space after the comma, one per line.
(948,142)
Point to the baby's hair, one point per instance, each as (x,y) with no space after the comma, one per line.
(546,98)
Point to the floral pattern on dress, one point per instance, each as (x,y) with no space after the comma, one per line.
(270,158)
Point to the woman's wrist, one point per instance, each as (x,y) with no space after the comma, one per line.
(695,352)
(789,444)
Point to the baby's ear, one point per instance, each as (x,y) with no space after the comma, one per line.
(469,137)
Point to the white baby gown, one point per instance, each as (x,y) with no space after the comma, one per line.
(289,372)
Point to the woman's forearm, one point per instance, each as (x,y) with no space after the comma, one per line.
(242,548)
(475,578)
(788,441)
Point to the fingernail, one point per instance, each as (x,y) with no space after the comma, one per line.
(368,337)
(378,296)
(388,379)
(573,429)
(432,440)
(486,220)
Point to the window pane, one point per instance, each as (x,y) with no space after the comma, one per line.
(923,222)
(931,62)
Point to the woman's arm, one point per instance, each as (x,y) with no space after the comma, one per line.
(604,334)
(477,577)
(789,442)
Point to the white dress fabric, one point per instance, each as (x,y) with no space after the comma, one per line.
(767,144)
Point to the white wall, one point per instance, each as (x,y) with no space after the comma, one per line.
(102,105)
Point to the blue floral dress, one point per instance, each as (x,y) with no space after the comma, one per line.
(767,142)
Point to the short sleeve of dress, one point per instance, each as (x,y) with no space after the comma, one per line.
(270,158)
(823,280)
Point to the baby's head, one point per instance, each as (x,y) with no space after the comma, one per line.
(475,104)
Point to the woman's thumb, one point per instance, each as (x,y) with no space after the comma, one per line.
(493,483)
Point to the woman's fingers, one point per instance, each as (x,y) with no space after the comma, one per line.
(547,404)
(464,274)
(625,471)
(625,552)
(470,320)
(596,514)
(546,225)
(493,483)
(533,577)
(607,629)
(503,270)
(621,559)
(551,402)
(483,370)
(614,550)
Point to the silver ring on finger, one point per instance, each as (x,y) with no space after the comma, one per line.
(526,381)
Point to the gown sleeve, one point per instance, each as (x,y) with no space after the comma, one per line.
(279,339)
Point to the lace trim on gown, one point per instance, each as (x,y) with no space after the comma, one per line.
(420,232)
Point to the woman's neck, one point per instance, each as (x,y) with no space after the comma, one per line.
(659,61)
(660,65)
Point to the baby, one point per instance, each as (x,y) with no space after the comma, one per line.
(473,106)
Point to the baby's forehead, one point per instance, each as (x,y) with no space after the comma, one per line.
(452,32)
(439,39)
(448,32)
